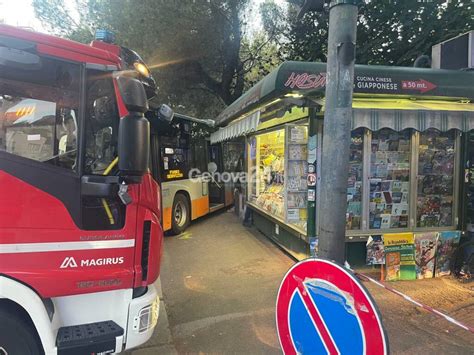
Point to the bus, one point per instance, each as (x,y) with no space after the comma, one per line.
(185,164)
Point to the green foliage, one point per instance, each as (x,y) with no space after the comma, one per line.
(203,58)
(63,20)
(197,49)
(262,55)
(274,20)
(389,32)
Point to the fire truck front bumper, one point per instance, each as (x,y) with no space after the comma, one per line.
(142,318)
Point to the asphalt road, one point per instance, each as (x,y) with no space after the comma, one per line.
(219,283)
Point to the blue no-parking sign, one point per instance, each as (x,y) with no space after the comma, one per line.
(322,308)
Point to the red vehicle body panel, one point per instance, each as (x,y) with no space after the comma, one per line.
(29,215)
(63,48)
(149,211)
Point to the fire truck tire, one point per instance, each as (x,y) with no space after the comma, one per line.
(181,214)
(17,335)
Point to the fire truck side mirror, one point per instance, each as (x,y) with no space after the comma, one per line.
(166,113)
(133,94)
(134,130)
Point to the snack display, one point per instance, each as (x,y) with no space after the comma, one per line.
(354,181)
(435,179)
(271,200)
(389,179)
(270,167)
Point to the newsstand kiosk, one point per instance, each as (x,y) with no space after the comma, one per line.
(410,127)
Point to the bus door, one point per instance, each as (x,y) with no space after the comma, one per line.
(216,185)
(233,162)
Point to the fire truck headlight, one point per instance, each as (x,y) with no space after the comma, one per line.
(147,317)
(142,69)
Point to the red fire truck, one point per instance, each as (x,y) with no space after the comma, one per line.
(80,237)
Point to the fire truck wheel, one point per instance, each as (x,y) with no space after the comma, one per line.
(181,214)
(17,335)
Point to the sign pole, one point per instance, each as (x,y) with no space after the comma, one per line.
(311,204)
(337,128)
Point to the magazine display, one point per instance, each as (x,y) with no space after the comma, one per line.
(375,250)
(296,175)
(425,254)
(399,256)
(435,179)
(389,179)
(354,181)
(447,243)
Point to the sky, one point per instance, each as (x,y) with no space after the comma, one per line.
(21,13)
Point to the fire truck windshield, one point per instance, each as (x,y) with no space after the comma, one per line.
(39,113)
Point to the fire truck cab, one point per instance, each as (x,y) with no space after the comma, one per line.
(80,237)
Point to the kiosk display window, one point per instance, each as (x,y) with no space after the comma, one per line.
(389,179)
(278,172)
(267,175)
(435,179)
(354,181)
(381,195)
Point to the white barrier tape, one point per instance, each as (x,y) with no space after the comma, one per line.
(411,300)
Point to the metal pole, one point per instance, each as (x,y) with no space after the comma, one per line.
(311,206)
(337,128)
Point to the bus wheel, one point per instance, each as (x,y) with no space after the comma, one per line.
(181,214)
(17,336)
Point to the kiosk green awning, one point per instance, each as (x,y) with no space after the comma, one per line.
(400,114)
(376,114)
(395,93)
(240,128)
(420,120)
